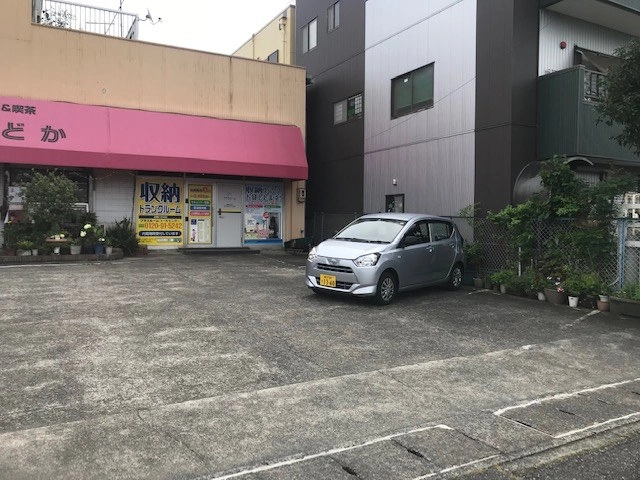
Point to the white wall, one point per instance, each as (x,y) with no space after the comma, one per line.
(113,195)
(556,28)
(430,153)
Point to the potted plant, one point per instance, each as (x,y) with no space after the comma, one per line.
(503,278)
(554,291)
(573,284)
(25,246)
(108,245)
(473,254)
(75,245)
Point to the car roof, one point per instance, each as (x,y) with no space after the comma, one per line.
(404,216)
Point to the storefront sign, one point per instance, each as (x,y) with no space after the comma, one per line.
(159,211)
(200,202)
(263,213)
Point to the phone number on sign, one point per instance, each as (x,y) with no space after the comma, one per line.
(161,225)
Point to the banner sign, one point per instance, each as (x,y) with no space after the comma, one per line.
(263,212)
(159,211)
(200,204)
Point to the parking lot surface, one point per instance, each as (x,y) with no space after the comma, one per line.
(227,366)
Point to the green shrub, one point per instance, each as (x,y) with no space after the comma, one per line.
(630,291)
(123,235)
(504,277)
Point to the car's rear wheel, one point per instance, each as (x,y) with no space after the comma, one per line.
(455,277)
(387,288)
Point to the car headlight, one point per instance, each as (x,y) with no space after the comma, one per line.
(367,260)
(312,254)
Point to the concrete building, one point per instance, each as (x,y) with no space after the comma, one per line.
(275,42)
(458,99)
(199,149)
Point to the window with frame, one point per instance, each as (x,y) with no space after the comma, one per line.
(395,203)
(310,35)
(333,17)
(348,109)
(412,91)
(273,58)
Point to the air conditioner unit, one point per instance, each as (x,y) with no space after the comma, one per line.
(81,207)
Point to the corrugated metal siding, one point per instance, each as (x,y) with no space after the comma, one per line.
(429,153)
(556,28)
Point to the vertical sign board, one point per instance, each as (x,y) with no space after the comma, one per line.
(200,200)
(159,211)
(263,213)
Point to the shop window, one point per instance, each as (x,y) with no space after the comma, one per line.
(412,91)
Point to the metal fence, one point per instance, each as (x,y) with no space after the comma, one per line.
(113,23)
(609,248)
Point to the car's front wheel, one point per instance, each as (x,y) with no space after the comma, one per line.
(387,288)
(455,278)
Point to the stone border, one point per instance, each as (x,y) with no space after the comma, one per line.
(64,258)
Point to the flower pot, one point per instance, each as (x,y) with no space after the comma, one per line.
(75,249)
(604,298)
(34,251)
(555,297)
(503,288)
(98,249)
(478,283)
(573,301)
(541,297)
(108,250)
(603,306)
(56,250)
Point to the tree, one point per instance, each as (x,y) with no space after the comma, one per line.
(48,201)
(621,103)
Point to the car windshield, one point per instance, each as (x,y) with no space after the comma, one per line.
(372,230)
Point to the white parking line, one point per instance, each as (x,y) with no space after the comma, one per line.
(456,467)
(324,454)
(563,395)
(573,394)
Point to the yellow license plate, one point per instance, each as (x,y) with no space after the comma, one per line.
(328,280)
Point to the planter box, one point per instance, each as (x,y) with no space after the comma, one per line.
(623,306)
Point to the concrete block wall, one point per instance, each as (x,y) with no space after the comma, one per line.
(113,195)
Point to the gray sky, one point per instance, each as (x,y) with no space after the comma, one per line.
(220,26)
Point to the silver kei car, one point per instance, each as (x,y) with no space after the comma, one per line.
(381,254)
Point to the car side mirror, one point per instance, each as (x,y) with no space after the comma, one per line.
(410,240)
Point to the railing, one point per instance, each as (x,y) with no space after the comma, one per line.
(113,23)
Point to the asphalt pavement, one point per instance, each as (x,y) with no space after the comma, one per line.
(201,367)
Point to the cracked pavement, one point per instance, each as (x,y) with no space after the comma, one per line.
(226,366)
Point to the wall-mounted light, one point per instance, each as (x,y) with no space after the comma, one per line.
(394,181)
(282,23)
(563,45)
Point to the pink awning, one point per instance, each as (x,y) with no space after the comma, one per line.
(63,134)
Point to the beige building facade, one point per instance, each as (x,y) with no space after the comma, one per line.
(188,118)
(275,42)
